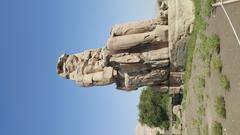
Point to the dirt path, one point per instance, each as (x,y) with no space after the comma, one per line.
(230,55)
(196,122)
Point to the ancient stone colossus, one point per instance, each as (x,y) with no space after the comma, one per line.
(136,54)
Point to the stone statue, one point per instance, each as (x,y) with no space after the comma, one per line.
(136,54)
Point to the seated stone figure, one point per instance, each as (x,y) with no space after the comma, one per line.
(129,70)
(126,36)
(136,54)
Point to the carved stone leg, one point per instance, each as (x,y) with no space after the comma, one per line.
(134,27)
(133,40)
(136,80)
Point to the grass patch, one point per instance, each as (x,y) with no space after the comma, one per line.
(199,27)
(205,130)
(217,128)
(202,128)
(216,63)
(208,46)
(224,82)
(200,98)
(220,106)
(206,68)
(208,7)
(178,121)
(201,110)
(198,130)
(201,82)
(194,121)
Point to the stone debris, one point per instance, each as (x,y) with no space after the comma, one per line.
(177,110)
(143,129)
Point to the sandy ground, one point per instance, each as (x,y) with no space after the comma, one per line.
(230,55)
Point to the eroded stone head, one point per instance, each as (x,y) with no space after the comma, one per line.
(86,68)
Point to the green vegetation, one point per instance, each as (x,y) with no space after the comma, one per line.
(205,130)
(224,82)
(200,98)
(199,27)
(208,7)
(216,63)
(153,108)
(194,122)
(197,122)
(201,111)
(201,82)
(178,121)
(208,46)
(220,106)
(202,128)
(217,128)
(191,44)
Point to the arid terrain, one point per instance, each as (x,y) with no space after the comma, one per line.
(206,85)
(230,56)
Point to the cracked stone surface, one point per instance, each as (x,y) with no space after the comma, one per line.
(136,54)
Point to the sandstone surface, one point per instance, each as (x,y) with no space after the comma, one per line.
(137,54)
(146,130)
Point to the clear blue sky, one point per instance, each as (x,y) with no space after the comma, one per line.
(33,99)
